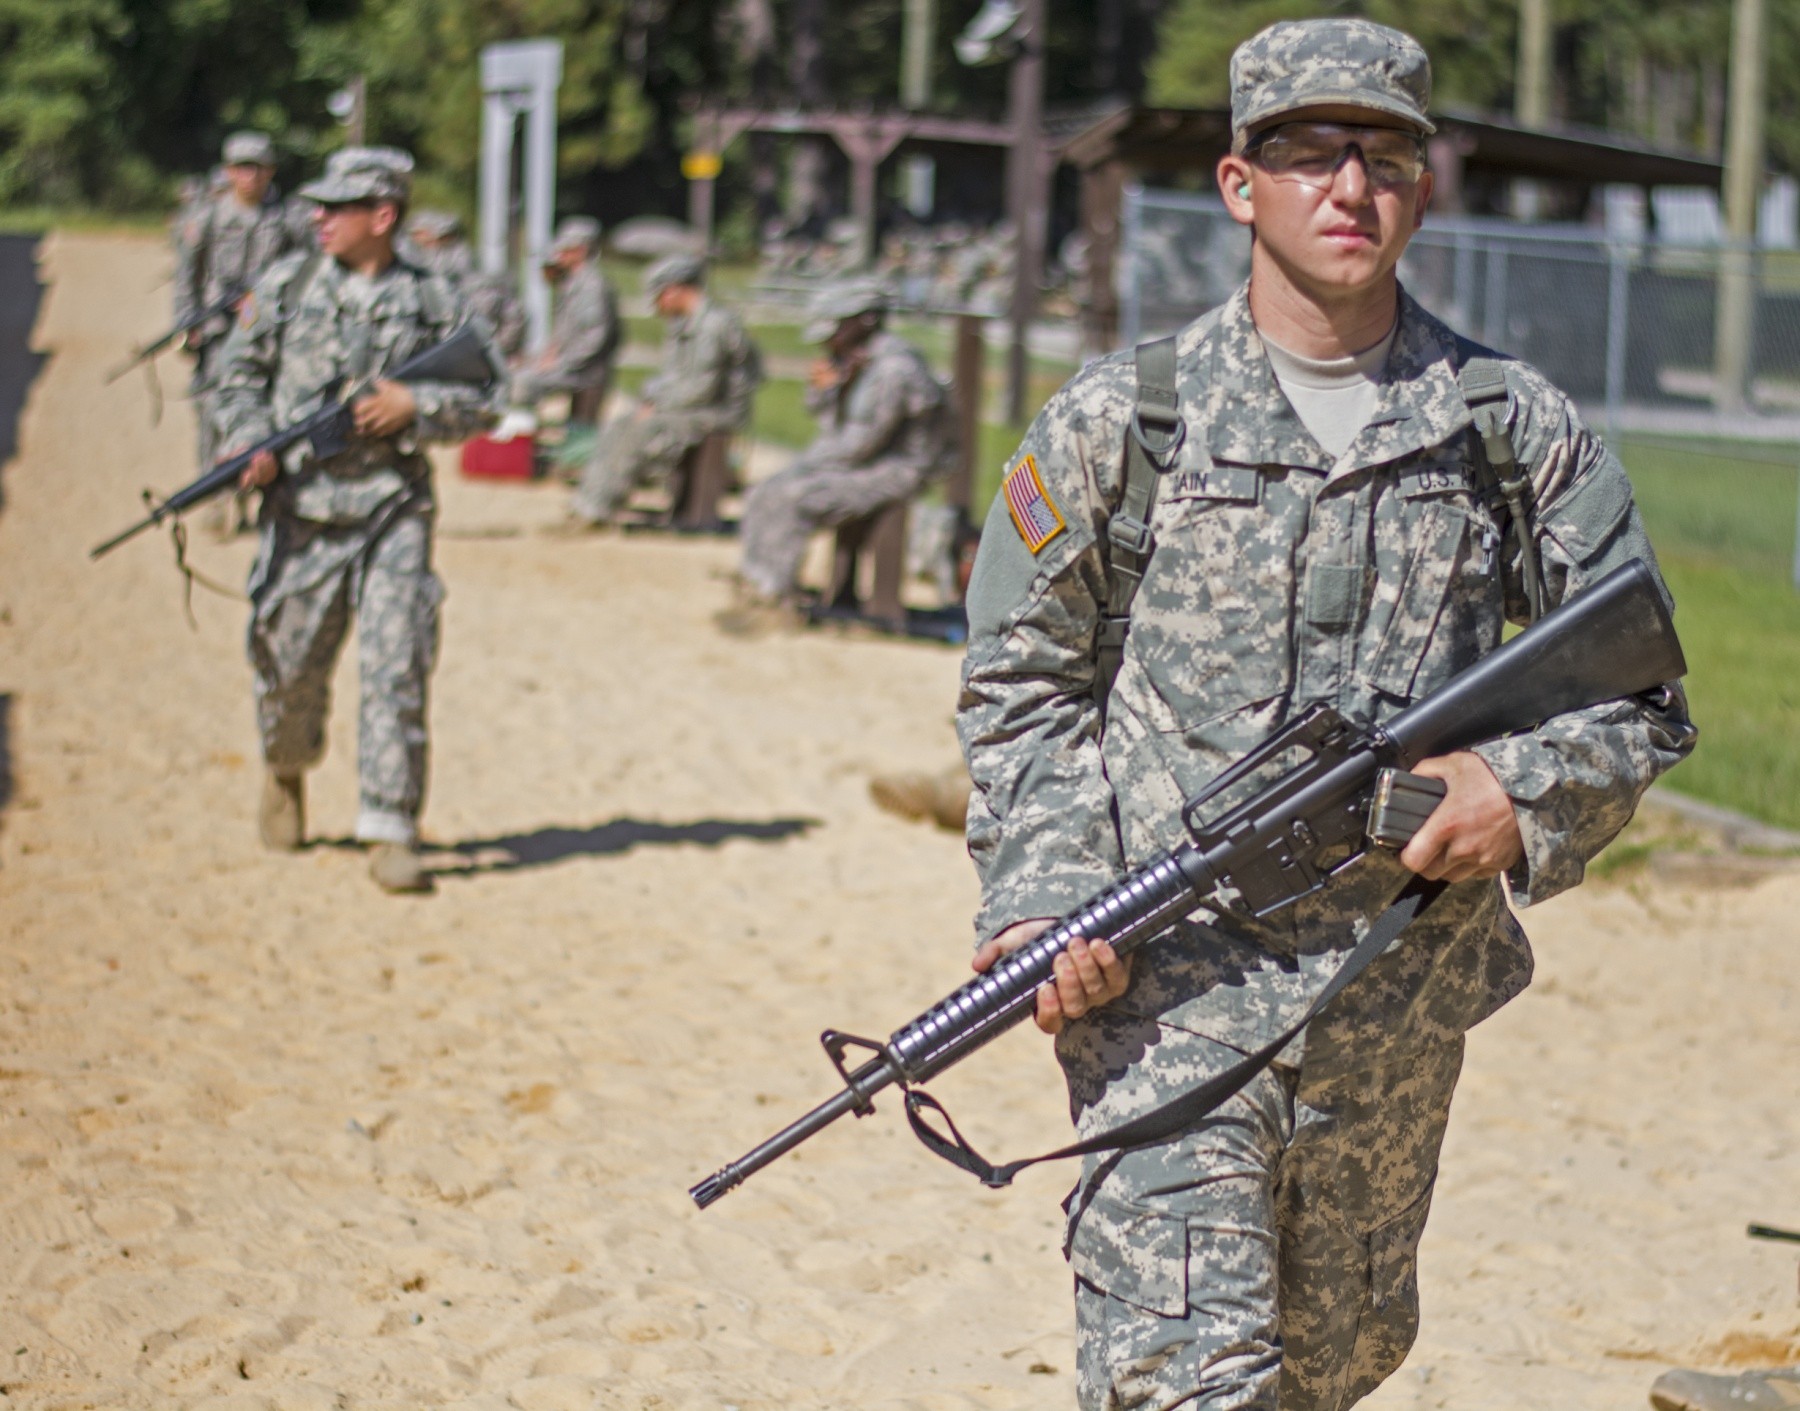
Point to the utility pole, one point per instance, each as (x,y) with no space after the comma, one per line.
(1027,196)
(1735,329)
(1531,89)
(916,48)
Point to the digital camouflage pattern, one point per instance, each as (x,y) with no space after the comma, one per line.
(1281,579)
(709,374)
(1269,1258)
(584,333)
(881,437)
(223,245)
(1298,64)
(348,534)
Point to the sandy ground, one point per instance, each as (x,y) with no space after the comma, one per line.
(271,1139)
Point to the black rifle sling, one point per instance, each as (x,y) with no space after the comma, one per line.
(1180,1113)
(1153,441)
(1506,485)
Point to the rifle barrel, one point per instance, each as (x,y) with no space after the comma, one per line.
(101,550)
(864,1083)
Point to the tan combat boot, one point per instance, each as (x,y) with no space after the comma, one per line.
(281,816)
(398,868)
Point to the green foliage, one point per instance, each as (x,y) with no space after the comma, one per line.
(1652,67)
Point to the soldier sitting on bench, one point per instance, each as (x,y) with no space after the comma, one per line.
(710,371)
(884,430)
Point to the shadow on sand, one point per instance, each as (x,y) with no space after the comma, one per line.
(20,295)
(510,852)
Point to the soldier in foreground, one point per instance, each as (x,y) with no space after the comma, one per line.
(347,536)
(1329,532)
(437,239)
(584,332)
(710,371)
(883,433)
(226,241)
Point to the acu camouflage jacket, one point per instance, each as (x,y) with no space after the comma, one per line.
(297,346)
(1281,579)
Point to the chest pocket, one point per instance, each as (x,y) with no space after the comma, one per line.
(1211,625)
(1437,577)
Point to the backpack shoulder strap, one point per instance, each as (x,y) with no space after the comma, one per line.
(1505,484)
(1153,440)
(287,301)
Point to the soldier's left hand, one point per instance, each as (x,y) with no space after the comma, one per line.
(389,409)
(1474,832)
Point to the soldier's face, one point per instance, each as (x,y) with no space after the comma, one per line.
(1340,234)
(353,231)
(249,182)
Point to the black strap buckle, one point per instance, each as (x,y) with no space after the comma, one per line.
(1162,455)
(1130,535)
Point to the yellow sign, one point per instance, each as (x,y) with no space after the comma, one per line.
(700,166)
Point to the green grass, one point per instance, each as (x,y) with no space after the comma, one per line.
(1741,632)
(38,220)
(1733,505)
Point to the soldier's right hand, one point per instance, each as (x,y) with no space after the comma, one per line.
(261,471)
(823,375)
(1088,974)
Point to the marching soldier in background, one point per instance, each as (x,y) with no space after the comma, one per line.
(437,238)
(884,431)
(584,332)
(709,374)
(227,239)
(347,536)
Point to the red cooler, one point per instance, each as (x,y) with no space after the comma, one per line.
(484,458)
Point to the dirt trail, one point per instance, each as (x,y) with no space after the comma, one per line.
(269,1139)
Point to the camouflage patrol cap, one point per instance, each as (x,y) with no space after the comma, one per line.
(671,270)
(1310,63)
(575,232)
(837,302)
(433,225)
(253,149)
(362,174)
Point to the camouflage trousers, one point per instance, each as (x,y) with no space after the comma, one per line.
(633,451)
(1267,1258)
(309,583)
(782,512)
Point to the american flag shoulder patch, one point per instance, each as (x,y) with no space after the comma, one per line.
(1034,514)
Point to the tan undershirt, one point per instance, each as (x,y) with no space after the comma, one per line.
(1334,397)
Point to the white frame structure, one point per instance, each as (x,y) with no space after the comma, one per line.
(520,80)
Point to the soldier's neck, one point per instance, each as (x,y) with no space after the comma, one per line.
(1320,323)
(367,262)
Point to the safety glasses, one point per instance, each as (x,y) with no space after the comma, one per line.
(1312,153)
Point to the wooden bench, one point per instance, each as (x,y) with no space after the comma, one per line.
(882,536)
(703,479)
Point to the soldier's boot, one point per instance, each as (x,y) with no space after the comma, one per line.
(950,799)
(1685,1390)
(755,617)
(281,816)
(943,798)
(398,868)
(908,795)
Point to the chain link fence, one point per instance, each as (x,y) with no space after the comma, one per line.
(1629,328)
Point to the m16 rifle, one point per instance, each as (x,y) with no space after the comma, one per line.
(149,350)
(462,357)
(1287,840)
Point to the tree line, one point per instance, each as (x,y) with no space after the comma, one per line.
(108,103)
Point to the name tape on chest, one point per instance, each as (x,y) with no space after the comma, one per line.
(1034,514)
